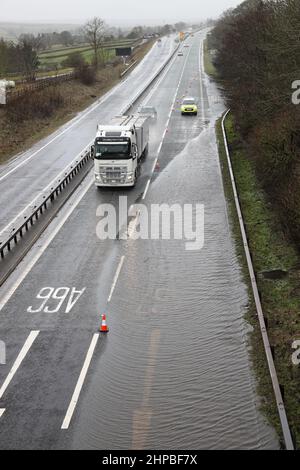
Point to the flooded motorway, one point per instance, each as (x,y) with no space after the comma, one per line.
(174,370)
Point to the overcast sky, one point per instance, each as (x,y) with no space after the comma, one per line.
(114,11)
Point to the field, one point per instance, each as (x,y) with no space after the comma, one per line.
(55,57)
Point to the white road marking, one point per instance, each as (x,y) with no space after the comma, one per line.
(201,81)
(115,280)
(79,385)
(132,225)
(22,163)
(78,155)
(151,93)
(22,354)
(156,160)
(45,189)
(2,410)
(43,248)
(76,121)
(146,189)
(170,114)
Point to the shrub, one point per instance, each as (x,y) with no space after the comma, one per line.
(39,104)
(86,74)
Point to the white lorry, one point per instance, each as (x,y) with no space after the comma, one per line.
(118,150)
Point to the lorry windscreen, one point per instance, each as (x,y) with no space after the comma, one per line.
(106,151)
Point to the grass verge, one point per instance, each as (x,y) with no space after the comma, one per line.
(270,250)
(209,67)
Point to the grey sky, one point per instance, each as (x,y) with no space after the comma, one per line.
(114,11)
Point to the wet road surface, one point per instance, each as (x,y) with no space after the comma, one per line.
(23,178)
(174,370)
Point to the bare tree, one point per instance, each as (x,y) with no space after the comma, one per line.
(27,49)
(94,31)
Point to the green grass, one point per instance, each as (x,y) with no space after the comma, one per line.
(65,50)
(57,56)
(270,249)
(209,67)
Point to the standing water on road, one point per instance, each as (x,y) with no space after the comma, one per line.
(174,372)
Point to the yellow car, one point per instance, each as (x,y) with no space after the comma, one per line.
(189,106)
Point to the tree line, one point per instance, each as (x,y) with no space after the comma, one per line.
(258,58)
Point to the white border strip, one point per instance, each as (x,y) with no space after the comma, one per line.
(79,385)
(278,396)
(45,245)
(22,354)
(116,278)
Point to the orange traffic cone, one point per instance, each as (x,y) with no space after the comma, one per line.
(104,327)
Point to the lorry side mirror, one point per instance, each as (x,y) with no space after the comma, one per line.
(93,151)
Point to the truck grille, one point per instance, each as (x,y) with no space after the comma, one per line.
(114,174)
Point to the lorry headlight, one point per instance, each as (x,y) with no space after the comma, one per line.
(98,177)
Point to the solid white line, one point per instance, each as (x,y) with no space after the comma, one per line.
(2,410)
(44,247)
(84,370)
(45,189)
(56,137)
(116,278)
(170,115)
(151,93)
(201,80)
(27,345)
(155,162)
(146,189)
(172,107)
(78,155)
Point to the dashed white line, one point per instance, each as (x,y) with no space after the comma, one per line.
(80,382)
(115,280)
(146,189)
(2,410)
(168,120)
(22,354)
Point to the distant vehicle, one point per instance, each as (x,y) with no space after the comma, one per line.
(189,106)
(118,150)
(186,45)
(149,111)
(180,53)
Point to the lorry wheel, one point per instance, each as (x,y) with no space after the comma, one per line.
(146,151)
